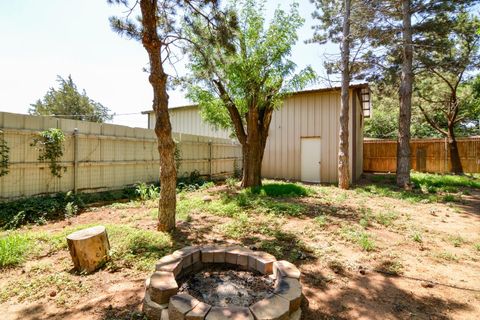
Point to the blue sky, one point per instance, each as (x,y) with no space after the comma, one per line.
(43,39)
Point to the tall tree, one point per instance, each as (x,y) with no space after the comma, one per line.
(343,163)
(68,102)
(240,74)
(157,27)
(406,87)
(343,22)
(452,52)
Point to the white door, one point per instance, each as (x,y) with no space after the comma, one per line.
(310,159)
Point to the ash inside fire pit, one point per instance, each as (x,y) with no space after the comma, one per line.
(222,288)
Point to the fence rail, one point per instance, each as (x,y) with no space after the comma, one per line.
(427,155)
(102,156)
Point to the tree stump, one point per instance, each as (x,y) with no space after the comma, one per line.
(89,248)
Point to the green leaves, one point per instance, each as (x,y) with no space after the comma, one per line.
(254,68)
(68,102)
(50,143)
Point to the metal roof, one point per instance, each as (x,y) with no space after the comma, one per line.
(319,90)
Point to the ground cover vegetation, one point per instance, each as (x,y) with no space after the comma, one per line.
(352,244)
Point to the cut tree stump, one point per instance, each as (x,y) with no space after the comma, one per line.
(89,248)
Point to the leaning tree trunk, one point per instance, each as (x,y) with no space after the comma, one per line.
(163,128)
(343,163)
(403,142)
(455,162)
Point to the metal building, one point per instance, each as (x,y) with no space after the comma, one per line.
(303,138)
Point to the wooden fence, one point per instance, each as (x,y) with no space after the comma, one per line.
(102,156)
(428,155)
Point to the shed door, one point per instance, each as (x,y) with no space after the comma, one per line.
(310,159)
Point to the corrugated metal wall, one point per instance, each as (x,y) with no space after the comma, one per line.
(313,114)
(109,156)
(189,121)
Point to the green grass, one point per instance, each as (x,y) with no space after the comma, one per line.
(417,237)
(13,249)
(456,240)
(282,189)
(386,218)
(131,247)
(447,181)
(321,220)
(476,246)
(447,256)
(360,237)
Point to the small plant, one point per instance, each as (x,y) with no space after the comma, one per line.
(386,219)
(457,240)
(50,144)
(477,246)
(4,158)
(391,266)
(71,209)
(366,242)
(321,220)
(366,216)
(447,256)
(231,182)
(417,237)
(146,191)
(449,198)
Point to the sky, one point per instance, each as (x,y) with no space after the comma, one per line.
(43,39)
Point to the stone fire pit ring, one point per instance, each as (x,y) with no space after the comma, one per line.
(163,302)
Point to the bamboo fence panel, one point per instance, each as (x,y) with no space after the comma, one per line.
(101,157)
(427,155)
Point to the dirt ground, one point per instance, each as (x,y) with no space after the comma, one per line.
(425,263)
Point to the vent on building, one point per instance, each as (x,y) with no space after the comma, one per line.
(366,102)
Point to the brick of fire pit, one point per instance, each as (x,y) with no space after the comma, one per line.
(152,309)
(261,261)
(199,312)
(161,286)
(180,305)
(229,313)
(170,263)
(285,269)
(189,255)
(272,307)
(213,254)
(291,290)
(237,255)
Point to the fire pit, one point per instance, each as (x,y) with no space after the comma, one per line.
(213,283)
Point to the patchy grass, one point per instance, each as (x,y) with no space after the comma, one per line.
(360,237)
(446,183)
(456,240)
(417,237)
(13,248)
(282,189)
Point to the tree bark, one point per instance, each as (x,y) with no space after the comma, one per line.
(163,129)
(403,142)
(258,123)
(343,161)
(455,163)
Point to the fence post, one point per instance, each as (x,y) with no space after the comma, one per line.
(75,159)
(210,159)
(446,156)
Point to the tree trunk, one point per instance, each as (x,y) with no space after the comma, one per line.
(163,128)
(403,142)
(88,248)
(253,148)
(252,165)
(455,163)
(343,161)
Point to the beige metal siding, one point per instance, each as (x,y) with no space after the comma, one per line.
(307,115)
(109,156)
(189,121)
